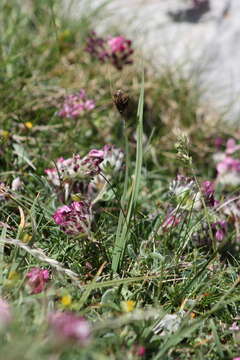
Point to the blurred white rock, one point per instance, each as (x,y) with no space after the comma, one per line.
(208,49)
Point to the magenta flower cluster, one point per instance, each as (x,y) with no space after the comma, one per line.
(69,327)
(115,50)
(37,280)
(82,176)
(75,105)
(74,218)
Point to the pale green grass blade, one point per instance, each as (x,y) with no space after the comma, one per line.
(121,241)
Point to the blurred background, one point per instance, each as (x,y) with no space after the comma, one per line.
(197,37)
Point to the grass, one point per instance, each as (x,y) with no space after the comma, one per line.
(152,257)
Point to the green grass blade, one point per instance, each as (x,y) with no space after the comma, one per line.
(123,226)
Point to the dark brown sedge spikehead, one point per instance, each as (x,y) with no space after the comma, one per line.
(120,99)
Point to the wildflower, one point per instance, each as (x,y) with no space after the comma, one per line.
(128,305)
(219,229)
(68,327)
(75,168)
(218,142)
(186,193)
(170,222)
(75,218)
(37,279)
(234,327)
(75,105)
(16,184)
(66,300)
(116,50)
(120,51)
(28,125)
(208,193)
(139,350)
(96,47)
(5,314)
(231,146)
(13,276)
(26,238)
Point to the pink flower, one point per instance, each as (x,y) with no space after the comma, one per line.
(219,229)
(118,44)
(170,222)
(116,50)
(37,279)
(229,164)
(75,218)
(139,350)
(231,146)
(75,168)
(234,327)
(5,314)
(67,326)
(75,105)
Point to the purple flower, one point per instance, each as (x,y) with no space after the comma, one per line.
(218,142)
(96,47)
(75,218)
(37,279)
(68,327)
(220,229)
(75,105)
(5,314)
(208,193)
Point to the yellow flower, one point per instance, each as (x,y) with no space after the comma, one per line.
(13,275)
(26,238)
(128,306)
(28,125)
(66,300)
(5,134)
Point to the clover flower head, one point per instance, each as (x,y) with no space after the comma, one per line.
(75,105)
(75,218)
(115,50)
(37,279)
(69,327)
(119,44)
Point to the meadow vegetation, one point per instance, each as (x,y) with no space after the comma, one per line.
(119,197)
